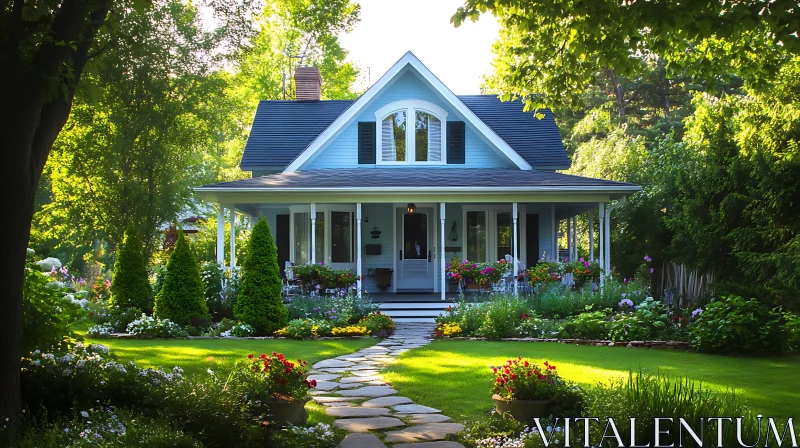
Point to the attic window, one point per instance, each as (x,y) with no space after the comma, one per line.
(398,146)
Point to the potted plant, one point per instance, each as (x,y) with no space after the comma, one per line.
(524,389)
(277,386)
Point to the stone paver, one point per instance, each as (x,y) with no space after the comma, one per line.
(357,412)
(426,431)
(441,444)
(415,409)
(385,401)
(357,440)
(369,391)
(356,376)
(367,424)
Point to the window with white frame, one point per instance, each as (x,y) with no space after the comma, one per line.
(411,132)
(334,234)
(488,232)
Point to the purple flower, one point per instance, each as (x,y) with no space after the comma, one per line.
(647,259)
(624,280)
(626,302)
(586,263)
(697,312)
(583,259)
(651,270)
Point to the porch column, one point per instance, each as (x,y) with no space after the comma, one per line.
(221,235)
(313,249)
(554,245)
(358,247)
(590,216)
(441,250)
(516,248)
(602,214)
(569,239)
(233,237)
(607,240)
(574,237)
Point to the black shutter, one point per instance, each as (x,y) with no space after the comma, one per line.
(455,142)
(366,143)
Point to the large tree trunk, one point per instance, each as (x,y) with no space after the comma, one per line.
(32,116)
(619,94)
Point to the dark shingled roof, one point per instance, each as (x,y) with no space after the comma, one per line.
(283,129)
(421,178)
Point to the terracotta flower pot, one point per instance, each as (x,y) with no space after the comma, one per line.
(522,410)
(282,413)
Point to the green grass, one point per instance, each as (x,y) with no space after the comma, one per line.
(198,355)
(454,376)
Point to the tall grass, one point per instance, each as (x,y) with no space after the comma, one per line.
(649,396)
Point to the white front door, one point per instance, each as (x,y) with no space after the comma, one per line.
(415,260)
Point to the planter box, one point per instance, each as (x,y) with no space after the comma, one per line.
(284,413)
(522,410)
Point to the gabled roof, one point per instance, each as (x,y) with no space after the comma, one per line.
(535,140)
(283,129)
(287,134)
(407,62)
(429,179)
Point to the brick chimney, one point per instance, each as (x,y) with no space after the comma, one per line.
(307,83)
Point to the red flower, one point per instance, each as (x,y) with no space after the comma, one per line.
(250,356)
(527,363)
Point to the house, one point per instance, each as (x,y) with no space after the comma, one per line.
(407,177)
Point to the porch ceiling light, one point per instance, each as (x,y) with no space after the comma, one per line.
(411,208)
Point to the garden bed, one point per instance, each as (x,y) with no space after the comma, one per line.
(669,345)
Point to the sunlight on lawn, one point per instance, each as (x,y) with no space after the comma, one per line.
(455,375)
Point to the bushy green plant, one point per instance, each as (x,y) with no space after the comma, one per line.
(502,317)
(117,318)
(259,302)
(589,325)
(647,397)
(130,286)
(101,427)
(628,327)
(320,436)
(533,326)
(341,309)
(300,329)
(734,325)
(376,322)
(211,274)
(46,316)
(181,298)
(154,327)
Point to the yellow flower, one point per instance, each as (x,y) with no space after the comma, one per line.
(449,329)
(281,332)
(350,330)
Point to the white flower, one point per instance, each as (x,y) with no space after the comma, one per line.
(210,372)
(84,414)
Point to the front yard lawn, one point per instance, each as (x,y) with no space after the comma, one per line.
(198,355)
(454,376)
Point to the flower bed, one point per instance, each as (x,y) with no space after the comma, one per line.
(471,275)
(322,278)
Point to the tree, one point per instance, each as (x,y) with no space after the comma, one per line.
(135,142)
(551,51)
(131,285)
(44,48)
(182,296)
(259,302)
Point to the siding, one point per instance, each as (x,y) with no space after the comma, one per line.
(380,218)
(342,152)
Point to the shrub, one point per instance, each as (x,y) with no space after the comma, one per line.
(628,327)
(130,286)
(181,298)
(300,329)
(46,316)
(502,316)
(239,331)
(376,322)
(211,275)
(259,303)
(319,436)
(99,331)
(733,325)
(591,325)
(117,318)
(520,379)
(531,325)
(447,330)
(154,327)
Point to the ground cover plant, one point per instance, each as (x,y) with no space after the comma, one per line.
(774,391)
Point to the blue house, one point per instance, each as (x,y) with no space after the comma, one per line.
(407,177)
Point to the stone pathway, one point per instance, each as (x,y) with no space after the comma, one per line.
(352,390)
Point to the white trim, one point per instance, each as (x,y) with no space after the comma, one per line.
(312,251)
(590,217)
(358,250)
(410,107)
(349,116)
(554,234)
(443,275)
(515,250)
(602,214)
(221,235)
(509,189)
(233,237)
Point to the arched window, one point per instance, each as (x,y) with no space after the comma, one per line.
(398,144)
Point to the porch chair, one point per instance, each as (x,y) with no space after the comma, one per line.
(290,286)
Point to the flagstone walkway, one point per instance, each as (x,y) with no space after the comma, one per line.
(352,389)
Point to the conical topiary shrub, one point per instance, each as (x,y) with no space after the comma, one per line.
(181,297)
(130,286)
(259,302)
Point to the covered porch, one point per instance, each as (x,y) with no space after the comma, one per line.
(383,223)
